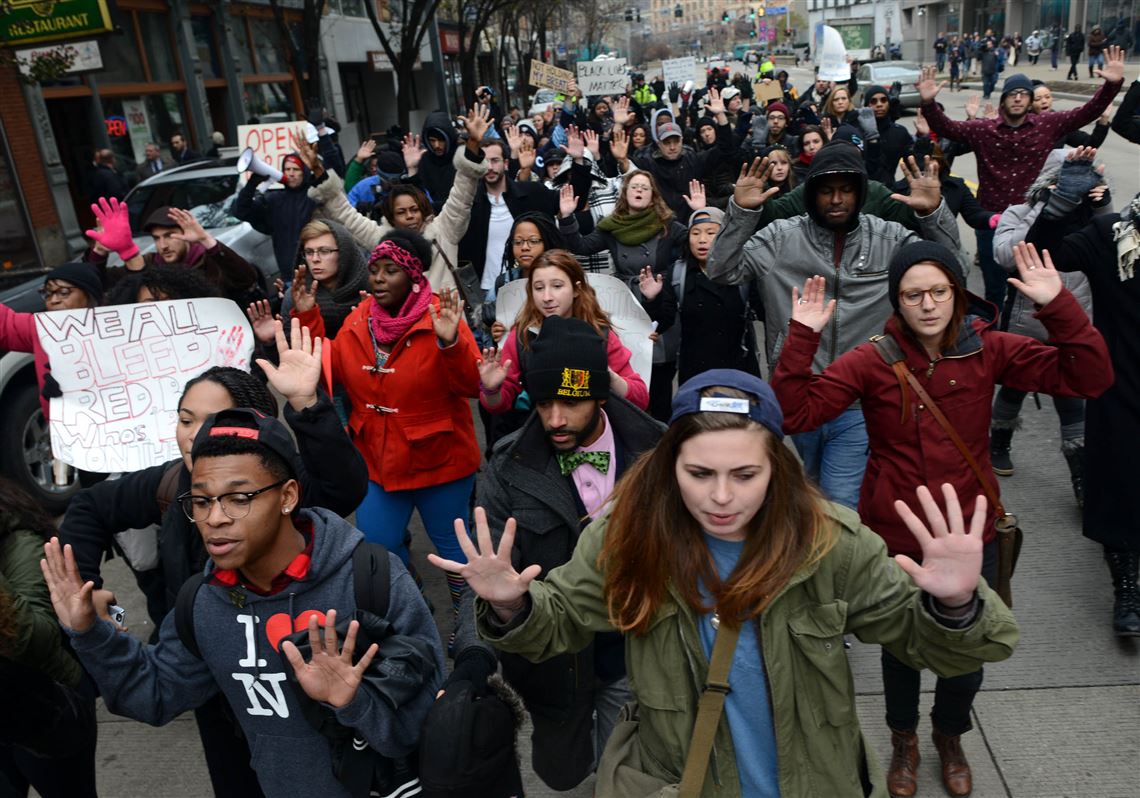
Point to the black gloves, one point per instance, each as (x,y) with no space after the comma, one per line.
(474,664)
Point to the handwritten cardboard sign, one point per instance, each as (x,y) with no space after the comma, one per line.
(122,370)
(630,320)
(679,70)
(602,77)
(545,76)
(270,141)
(768,91)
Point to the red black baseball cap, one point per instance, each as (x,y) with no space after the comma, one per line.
(249,424)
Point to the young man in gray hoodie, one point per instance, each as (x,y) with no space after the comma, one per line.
(274,570)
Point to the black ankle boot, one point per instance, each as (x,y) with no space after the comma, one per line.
(1124,567)
(1074,452)
(999,451)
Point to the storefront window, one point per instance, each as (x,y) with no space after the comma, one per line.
(205,47)
(241,39)
(155,29)
(17,248)
(133,122)
(269,101)
(121,62)
(267,42)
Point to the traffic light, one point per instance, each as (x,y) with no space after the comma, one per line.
(629,15)
(724,18)
(637,13)
(752,13)
(761,10)
(752,34)
(678,11)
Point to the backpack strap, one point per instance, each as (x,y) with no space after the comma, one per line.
(168,486)
(680,267)
(892,354)
(371,578)
(184,613)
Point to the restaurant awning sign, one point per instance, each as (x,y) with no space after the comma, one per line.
(29,21)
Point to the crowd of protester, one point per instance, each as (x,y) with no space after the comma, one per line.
(637,538)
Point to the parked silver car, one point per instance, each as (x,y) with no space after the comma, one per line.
(884,73)
(207,189)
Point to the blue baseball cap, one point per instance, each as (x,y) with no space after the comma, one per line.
(762,408)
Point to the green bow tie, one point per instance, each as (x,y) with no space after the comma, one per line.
(568,461)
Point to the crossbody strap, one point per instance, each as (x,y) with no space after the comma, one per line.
(987,488)
(709,710)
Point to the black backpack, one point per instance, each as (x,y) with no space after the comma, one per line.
(359,767)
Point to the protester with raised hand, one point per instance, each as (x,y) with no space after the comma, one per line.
(716,532)
(406,208)
(336,266)
(783,255)
(945,339)
(1010,152)
(112,233)
(1107,250)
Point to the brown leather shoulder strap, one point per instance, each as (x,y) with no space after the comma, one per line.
(892,354)
(987,488)
(709,710)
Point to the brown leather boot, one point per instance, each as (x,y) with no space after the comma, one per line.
(956,776)
(902,777)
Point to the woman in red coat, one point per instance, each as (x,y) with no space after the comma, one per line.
(950,346)
(409,364)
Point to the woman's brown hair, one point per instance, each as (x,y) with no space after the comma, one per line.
(388,206)
(653,541)
(585,304)
(664,213)
(957,317)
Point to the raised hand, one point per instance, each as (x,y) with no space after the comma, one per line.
(567,201)
(445,321)
(477,123)
(192,230)
(619,144)
(366,150)
(695,199)
(928,85)
(413,151)
(493,370)
(921,126)
(973,103)
(827,128)
(489,573)
(260,315)
(812,307)
(70,595)
(990,111)
(650,283)
(514,138)
(1039,281)
(1113,69)
(299,365)
(526,153)
(307,151)
(304,299)
(951,556)
(620,109)
(591,139)
(715,104)
(751,187)
(574,144)
(329,677)
(498,330)
(925,188)
(113,227)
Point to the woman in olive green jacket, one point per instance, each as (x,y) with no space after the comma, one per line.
(719,525)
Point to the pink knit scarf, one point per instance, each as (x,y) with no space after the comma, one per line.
(388,328)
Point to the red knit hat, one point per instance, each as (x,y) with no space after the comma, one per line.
(778,106)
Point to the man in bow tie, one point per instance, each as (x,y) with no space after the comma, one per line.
(554,476)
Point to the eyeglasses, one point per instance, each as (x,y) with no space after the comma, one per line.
(939,293)
(234,505)
(1018,93)
(527,242)
(62,293)
(323,252)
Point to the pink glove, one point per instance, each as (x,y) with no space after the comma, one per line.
(116,234)
(994,221)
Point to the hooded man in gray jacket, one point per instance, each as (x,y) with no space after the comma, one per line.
(852,250)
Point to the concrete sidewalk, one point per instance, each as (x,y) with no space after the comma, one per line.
(1080,89)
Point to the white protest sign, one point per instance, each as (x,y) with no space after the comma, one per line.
(678,70)
(832,57)
(122,370)
(629,318)
(270,142)
(602,77)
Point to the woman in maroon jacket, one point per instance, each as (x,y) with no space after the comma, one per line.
(949,344)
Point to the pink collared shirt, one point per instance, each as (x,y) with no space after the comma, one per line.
(594,487)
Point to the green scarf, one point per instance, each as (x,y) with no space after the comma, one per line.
(632,229)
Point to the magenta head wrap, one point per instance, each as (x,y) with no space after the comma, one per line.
(402,258)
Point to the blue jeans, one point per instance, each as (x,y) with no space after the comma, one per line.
(940,58)
(1094,62)
(835,456)
(988,83)
(383,515)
